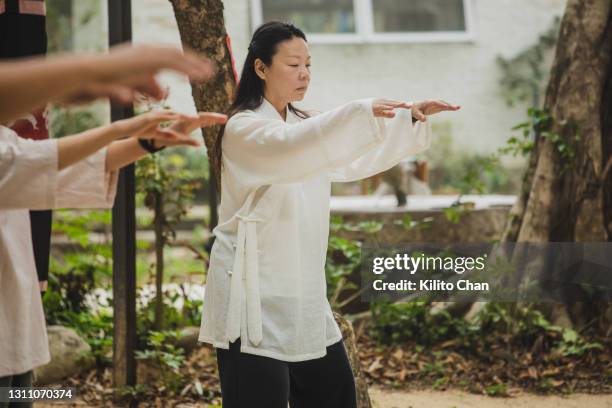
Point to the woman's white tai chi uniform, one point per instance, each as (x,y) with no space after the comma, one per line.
(266,281)
(29,179)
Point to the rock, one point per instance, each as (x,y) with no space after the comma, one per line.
(70,354)
(188,338)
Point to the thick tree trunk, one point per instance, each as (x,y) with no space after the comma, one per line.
(202,28)
(350,343)
(566,199)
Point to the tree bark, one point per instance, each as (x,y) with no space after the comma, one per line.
(570,199)
(202,28)
(350,343)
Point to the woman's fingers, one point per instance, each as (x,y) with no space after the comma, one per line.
(403,105)
(451,106)
(211,118)
(187,142)
(170,137)
(150,126)
(382,111)
(384,108)
(418,114)
(444,106)
(430,107)
(188,124)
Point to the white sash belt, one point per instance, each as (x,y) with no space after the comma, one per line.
(245,275)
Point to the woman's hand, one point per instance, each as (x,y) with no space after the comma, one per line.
(128,68)
(384,108)
(421,110)
(188,124)
(148,126)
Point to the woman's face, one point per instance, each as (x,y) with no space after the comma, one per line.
(288,76)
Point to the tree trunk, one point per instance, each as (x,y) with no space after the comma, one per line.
(565,198)
(160,242)
(348,334)
(202,28)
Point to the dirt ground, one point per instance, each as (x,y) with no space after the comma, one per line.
(383,398)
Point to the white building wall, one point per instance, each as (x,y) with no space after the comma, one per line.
(464,73)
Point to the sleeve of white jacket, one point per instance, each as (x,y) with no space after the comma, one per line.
(86,184)
(401,139)
(28,172)
(267,151)
(29,178)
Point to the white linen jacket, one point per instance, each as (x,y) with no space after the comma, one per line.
(29,179)
(266,281)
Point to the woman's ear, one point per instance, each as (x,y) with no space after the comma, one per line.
(260,69)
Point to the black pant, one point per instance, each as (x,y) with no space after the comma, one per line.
(21,380)
(250,381)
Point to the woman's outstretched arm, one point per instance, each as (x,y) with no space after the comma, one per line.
(72,149)
(266,150)
(403,138)
(31,83)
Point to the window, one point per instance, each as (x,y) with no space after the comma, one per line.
(333,21)
(313,16)
(418,15)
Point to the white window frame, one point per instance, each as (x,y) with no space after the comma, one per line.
(364,26)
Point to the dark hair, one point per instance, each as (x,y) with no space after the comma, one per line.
(250,92)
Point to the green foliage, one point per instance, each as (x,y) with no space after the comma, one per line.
(343,259)
(541,123)
(66,121)
(410,224)
(58,21)
(454,213)
(475,172)
(166,356)
(395,323)
(524,75)
(337,224)
(166,176)
(78,226)
(189,314)
(400,322)
(68,310)
(75,271)
(572,344)
(495,390)
(167,188)
(468,172)
(134,392)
